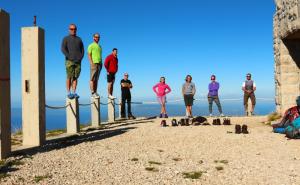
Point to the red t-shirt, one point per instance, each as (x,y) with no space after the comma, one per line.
(111,64)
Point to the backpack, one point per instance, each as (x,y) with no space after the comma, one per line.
(293,130)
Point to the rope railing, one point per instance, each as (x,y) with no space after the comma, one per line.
(86,104)
(57,107)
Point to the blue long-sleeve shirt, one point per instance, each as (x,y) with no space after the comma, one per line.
(213,88)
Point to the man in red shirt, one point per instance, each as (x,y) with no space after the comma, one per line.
(111,65)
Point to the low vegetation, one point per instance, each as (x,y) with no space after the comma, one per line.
(153,162)
(219,168)
(192,175)
(152,169)
(134,159)
(40,178)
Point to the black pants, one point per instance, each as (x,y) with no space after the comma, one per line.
(124,99)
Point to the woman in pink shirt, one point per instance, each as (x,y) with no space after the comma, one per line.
(161,90)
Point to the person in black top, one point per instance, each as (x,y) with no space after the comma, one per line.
(126,85)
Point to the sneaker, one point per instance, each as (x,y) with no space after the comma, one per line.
(95,95)
(222,115)
(165,116)
(210,115)
(111,97)
(161,115)
(131,117)
(76,95)
(70,96)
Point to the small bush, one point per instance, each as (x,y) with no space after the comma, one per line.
(192,175)
(177,159)
(40,178)
(152,169)
(223,161)
(200,162)
(273,116)
(153,162)
(134,159)
(219,168)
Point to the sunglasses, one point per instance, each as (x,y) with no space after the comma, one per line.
(73,28)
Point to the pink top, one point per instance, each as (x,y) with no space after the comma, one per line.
(160,89)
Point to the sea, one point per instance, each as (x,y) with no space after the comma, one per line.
(56,118)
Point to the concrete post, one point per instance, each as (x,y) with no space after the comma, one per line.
(5,128)
(111,110)
(72,116)
(120,105)
(33,86)
(95,112)
(249,107)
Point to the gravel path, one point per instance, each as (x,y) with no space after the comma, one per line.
(121,154)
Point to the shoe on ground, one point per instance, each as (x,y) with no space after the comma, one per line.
(70,96)
(131,117)
(238,129)
(222,115)
(163,123)
(210,115)
(111,97)
(245,129)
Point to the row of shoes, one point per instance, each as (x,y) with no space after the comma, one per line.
(226,121)
(241,129)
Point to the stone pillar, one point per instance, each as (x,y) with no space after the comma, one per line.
(95,112)
(111,110)
(72,116)
(33,86)
(5,128)
(249,107)
(120,106)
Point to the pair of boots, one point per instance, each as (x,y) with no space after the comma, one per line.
(184,122)
(216,122)
(163,123)
(241,129)
(226,121)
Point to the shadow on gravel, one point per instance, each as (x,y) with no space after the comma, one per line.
(55,144)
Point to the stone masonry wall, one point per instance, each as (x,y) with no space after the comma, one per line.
(286,30)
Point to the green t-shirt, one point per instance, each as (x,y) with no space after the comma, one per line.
(96,51)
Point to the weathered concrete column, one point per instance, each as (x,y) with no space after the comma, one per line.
(249,107)
(72,116)
(111,110)
(120,108)
(5,128)
(33,86)
(95,112)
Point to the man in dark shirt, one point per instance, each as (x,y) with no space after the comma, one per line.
(126,85)
(72,48)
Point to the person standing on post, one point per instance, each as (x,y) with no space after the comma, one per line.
(72,48)
(126,85)
(161,89)
(213,96)
(111,65)
(188,92)
(95,58)
(249,87)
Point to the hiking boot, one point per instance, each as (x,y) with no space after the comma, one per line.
(245,129)
(182,122)
(70,96)
(218,121)
(237,129)
(226,121)
(187,122)
(174,123)
(163,123)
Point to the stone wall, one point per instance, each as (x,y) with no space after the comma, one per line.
(286,27)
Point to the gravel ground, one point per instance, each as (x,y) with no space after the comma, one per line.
(121,154)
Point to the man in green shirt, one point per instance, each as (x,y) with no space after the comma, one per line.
(95,58)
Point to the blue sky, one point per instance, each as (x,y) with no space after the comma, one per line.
(170,38)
